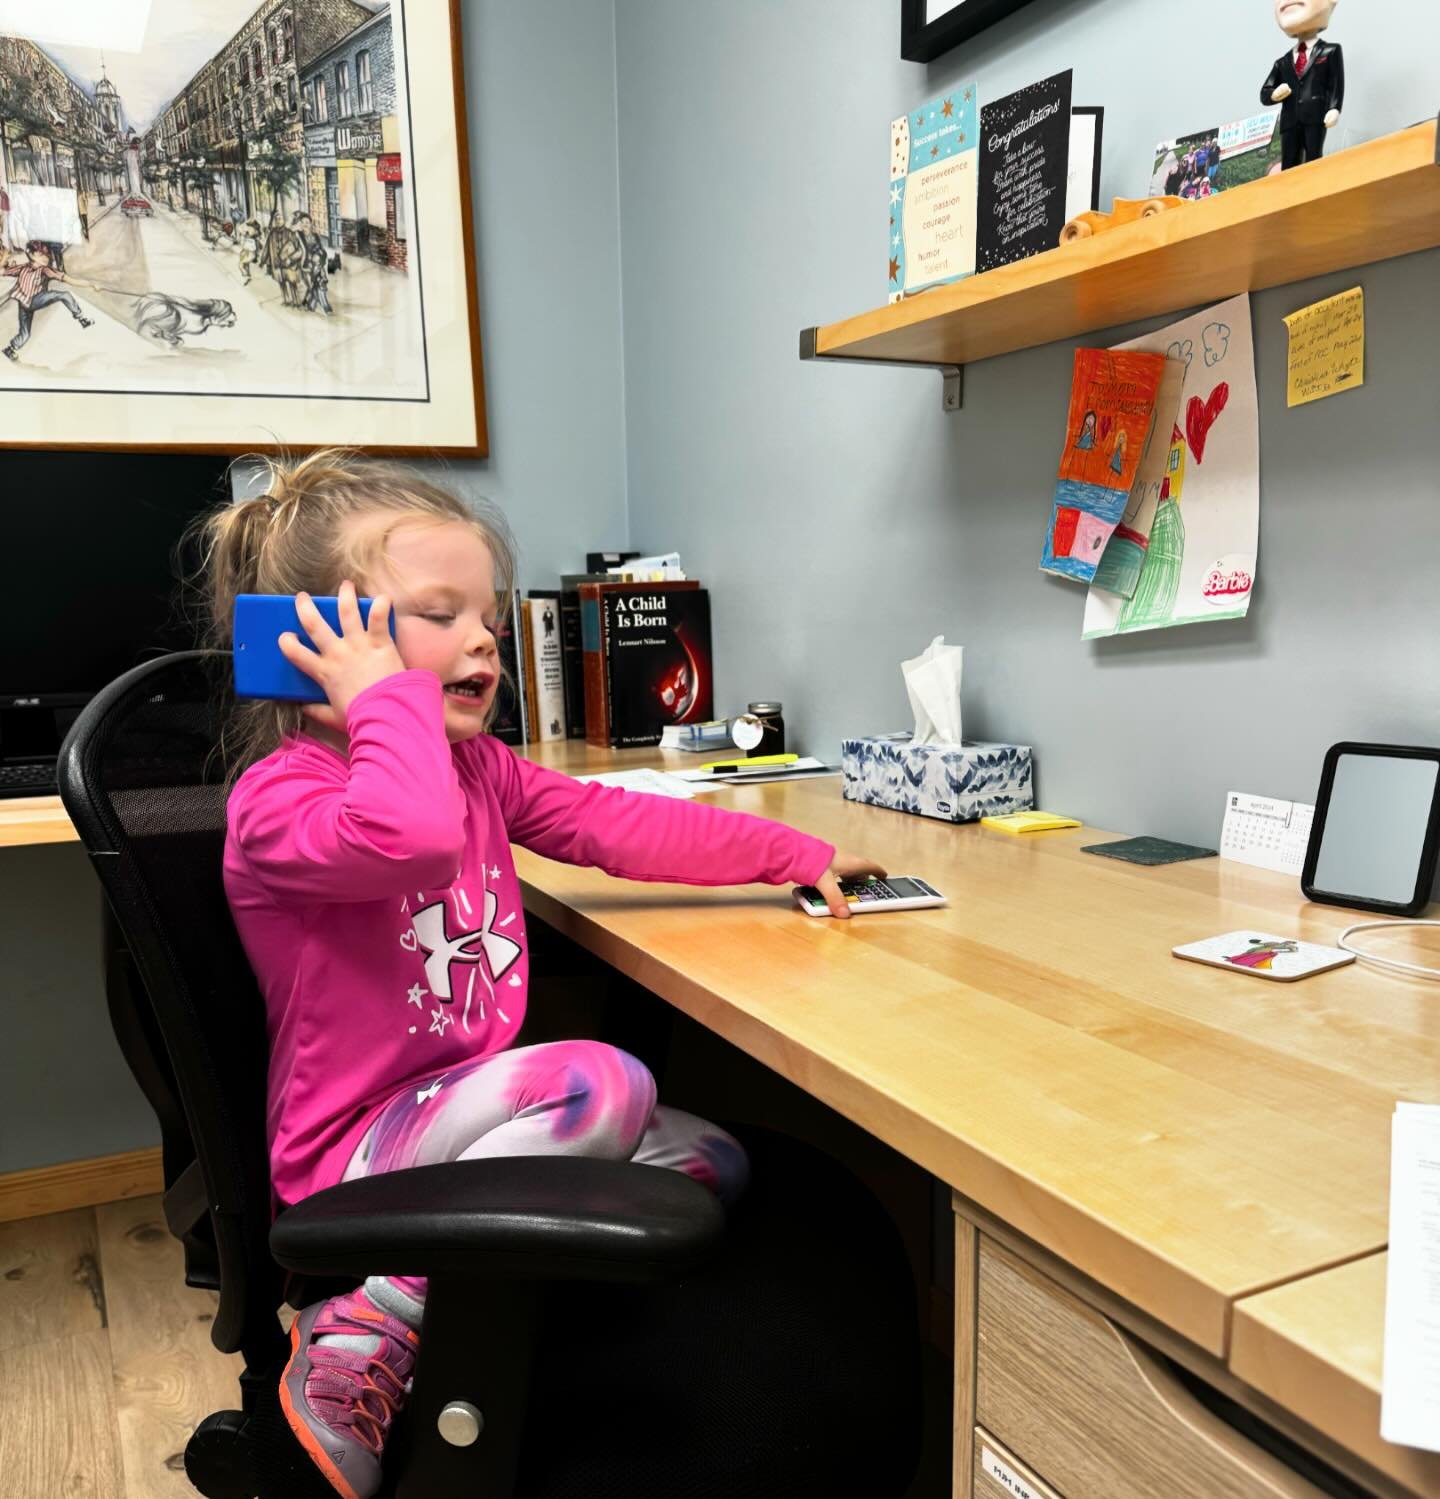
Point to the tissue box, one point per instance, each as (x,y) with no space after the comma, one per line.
(956,782)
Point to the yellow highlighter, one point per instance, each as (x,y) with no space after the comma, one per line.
(729,767)
(1029,822)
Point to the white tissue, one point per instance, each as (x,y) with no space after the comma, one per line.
(932,679)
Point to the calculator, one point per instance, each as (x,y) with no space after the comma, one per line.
(893,893)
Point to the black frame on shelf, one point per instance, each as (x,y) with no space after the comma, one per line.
(922,42)
(1429,851)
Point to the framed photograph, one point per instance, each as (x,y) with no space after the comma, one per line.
(930,27)
(247,228)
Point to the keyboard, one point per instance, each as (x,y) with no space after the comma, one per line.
(27,780)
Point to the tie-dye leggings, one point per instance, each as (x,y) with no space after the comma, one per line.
(561,1098)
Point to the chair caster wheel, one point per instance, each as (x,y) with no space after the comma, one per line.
(218,1457)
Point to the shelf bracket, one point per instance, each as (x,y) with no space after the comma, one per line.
(952,375)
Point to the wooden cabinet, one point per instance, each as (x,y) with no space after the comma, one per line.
(1096,1412)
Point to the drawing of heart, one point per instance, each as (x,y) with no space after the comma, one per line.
(409,941)
(1200,417)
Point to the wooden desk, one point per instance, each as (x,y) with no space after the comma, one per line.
(1185,1138)
(26,820)
(1314,1347)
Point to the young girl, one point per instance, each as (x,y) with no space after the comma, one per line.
(368,867)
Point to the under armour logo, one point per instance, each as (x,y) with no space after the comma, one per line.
(429,923)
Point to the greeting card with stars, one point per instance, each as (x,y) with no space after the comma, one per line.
(934,188)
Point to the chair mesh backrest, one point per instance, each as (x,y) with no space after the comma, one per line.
(142,782)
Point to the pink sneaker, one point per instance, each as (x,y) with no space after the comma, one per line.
(340,1400)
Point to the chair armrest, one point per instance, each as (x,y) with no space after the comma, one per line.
(516,1218)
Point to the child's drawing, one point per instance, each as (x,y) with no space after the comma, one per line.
(1200,416)
(1216,339)
(1214,462)
(1112,410)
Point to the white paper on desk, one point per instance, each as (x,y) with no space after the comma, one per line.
(651,782)
(1410,1398)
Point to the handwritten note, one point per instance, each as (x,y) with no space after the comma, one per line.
(1327,347)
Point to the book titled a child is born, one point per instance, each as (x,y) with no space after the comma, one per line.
(648,661)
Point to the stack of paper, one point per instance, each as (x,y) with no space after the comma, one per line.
(652,782)
(1410,1402)
(802,768)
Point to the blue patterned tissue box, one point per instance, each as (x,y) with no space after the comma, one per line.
(955,782)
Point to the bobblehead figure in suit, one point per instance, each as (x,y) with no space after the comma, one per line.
(1309,81)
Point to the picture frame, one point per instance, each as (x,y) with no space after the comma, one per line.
(1376,822)
(930,27)
(263,239)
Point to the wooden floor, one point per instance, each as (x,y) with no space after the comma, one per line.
(106,1363)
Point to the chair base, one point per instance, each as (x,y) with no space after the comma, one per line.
(218,1460)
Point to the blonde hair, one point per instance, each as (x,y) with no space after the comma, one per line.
(296,537)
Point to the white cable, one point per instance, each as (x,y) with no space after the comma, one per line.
(1418,969)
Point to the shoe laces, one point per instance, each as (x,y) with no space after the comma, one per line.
(363,1395)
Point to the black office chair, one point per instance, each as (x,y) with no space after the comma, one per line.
(592,1328)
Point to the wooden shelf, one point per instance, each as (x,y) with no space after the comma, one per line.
(1369,203)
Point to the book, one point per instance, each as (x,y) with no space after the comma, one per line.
(530,696)
(546,668)
(508,725)
(572,657)
(647,660)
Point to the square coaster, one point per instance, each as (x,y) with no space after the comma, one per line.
(1149,851)
(1264,955)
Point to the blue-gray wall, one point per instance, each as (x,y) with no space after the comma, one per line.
(843,520)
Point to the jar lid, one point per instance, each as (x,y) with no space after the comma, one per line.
(765,709)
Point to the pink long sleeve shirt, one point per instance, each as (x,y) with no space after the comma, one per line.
(378,904)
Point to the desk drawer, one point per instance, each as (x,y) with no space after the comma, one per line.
(1001,1475)
(1082,1402)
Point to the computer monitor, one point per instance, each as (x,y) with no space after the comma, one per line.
(90,585)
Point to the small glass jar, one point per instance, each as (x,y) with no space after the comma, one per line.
(772,721)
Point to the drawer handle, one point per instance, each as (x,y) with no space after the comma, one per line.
(1269,1472)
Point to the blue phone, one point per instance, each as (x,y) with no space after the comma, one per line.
(260,670)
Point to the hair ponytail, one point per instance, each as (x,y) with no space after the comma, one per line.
(295,536)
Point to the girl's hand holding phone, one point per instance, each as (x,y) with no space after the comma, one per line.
(344,665)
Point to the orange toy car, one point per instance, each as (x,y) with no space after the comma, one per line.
(1126,211)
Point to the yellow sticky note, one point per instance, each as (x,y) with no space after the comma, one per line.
(1327,347)
(1028,822)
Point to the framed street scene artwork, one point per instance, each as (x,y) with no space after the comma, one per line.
(237,225)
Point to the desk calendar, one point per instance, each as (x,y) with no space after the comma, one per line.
(1267,833)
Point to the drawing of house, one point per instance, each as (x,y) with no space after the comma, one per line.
(1154,599)
(1175,468)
